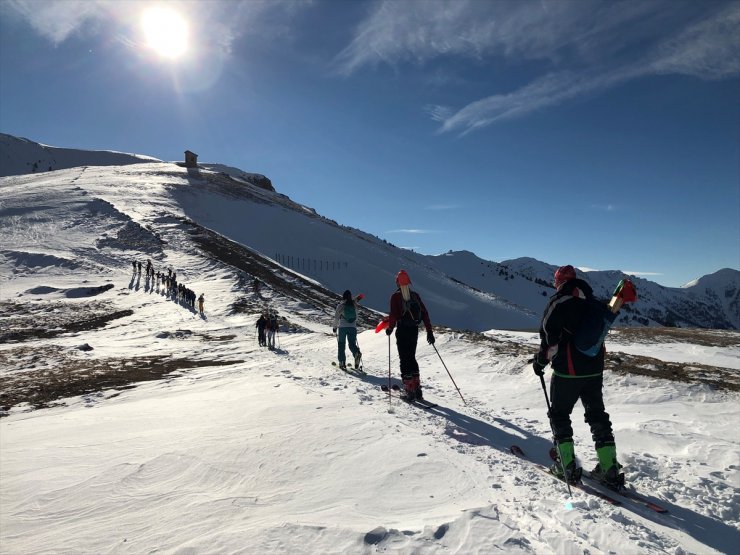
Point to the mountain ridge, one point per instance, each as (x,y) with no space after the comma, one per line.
(461,289)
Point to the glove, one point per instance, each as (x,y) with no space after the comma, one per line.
(388,331)
(539,366)
(334,331)
(430,337)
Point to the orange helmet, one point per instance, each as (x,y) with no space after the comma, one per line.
(402,278)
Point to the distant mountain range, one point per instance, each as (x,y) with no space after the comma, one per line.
(712,301)
(461,290)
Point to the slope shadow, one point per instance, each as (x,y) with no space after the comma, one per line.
(502,434)
(79,292)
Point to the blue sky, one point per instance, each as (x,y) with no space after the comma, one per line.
(600,134)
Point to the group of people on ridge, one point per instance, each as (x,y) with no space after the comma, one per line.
(178,291)
(575,375)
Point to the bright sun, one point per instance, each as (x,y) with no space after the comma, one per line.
(165,31)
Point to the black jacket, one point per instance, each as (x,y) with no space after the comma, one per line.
(562,316)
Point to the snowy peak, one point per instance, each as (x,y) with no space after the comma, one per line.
(712,301)
(719,279)
(20,156)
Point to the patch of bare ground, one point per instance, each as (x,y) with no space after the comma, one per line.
(26,321)
(696,336)
(40,376)
(717,377)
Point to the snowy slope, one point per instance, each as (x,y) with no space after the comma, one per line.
(156,429)
(339,258)
(20,156)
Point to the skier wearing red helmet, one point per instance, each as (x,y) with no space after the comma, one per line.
(407,313)
(575,375)
(563,274)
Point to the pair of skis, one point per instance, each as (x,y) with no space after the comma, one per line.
(349,367)
(423,403)
(613,497)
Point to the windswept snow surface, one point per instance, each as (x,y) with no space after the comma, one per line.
(283,453)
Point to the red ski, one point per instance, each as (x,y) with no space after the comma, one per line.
(516,450)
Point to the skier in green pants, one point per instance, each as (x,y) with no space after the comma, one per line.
(575,376)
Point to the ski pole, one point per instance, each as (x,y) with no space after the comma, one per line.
(450,375)
(552,429)
(359,350)
(390,408)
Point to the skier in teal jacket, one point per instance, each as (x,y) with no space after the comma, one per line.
(345,326)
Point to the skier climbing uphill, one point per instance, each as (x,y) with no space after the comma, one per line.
(576,375)
(345,321)
(407,312)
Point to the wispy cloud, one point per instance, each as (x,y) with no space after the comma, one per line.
(56,21)
(550,90)
(636,273)
(418,31)
(412,231)
(442,207)
(587,47)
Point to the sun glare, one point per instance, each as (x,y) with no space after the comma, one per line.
(165,31)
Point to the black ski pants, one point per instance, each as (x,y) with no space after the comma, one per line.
(406,339)
(564,393)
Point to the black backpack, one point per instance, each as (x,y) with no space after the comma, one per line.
(595,323)
(412,308)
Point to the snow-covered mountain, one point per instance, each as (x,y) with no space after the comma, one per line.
(712,301)
(133,424)
(20,156)
(460,289)
(127,208)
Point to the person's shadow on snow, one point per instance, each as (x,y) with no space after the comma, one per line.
(501,434)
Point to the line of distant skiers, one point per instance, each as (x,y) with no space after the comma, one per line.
(268,327)
(182,294)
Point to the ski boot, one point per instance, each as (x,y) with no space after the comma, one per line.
(567,470)
(342,365)
(608,470)
(358,360)
(611,478)
(416,385)
(409,390)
